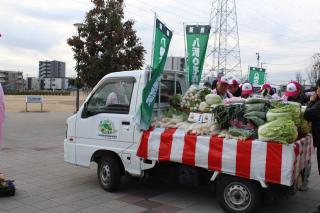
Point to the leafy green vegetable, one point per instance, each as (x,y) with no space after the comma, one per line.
(213,99)
(175,101)
(261,107)
(256,120)
(171,112)
(271,116)
(223,114)
(257,100)
(241,133)
(204,107)
(258,114)
(294,110)
(202,93)
(281,130)
(304,128)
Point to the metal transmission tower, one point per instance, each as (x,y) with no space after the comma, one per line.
(224,39)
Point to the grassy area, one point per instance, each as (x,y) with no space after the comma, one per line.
(17,103)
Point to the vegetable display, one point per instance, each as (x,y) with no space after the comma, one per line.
(201,113)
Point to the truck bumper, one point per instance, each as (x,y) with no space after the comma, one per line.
(69,152)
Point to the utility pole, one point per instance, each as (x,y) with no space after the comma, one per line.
(258,59)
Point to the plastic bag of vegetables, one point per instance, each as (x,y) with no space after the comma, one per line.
(280,130)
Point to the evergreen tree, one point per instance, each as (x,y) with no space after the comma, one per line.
(107,44)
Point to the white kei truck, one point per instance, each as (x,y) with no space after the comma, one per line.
(244,174)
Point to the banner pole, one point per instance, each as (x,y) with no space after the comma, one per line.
(185,55)
(153,42)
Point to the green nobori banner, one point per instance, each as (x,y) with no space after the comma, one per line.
(162,40)
(197,37)
(161,47)
(257,75)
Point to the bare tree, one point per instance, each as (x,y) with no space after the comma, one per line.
(299,77)
(314,70)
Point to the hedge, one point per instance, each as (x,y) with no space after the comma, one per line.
(38,92)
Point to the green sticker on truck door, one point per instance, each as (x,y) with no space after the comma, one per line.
(108,128)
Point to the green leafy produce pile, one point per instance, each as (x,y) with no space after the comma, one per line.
(241,133)
(225,113)
(281,131)
(294,110)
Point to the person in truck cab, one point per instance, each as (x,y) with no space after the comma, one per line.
(118,95)
(222,89)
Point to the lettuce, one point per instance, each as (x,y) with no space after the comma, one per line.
(280,130)
(271,116)
(294,110)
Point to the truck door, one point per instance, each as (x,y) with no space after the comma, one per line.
(106,119)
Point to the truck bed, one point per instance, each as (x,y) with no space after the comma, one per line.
(251,159)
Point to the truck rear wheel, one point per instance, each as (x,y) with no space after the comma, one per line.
(109,173)
(237,195)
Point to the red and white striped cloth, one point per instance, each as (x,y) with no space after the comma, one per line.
(251,159)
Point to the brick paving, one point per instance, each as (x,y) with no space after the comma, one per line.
(32,154)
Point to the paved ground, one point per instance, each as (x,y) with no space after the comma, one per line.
(33,156)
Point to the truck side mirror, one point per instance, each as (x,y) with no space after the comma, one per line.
(84,113)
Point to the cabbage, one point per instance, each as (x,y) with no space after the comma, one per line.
(280,130)
(213,99)
(204,107)
(271,116)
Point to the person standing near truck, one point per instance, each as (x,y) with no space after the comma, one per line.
(222,89)
(312,114)
(247,90)
(295,93)
(234,88)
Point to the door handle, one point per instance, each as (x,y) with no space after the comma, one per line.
(126,123)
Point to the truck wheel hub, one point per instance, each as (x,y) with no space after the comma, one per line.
(237,197)
(105,175)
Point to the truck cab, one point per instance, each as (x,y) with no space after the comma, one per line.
(104,125)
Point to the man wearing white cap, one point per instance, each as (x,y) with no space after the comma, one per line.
(222,89)
(247,90)
(294,93)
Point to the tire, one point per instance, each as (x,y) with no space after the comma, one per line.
(109,173)
(237,195)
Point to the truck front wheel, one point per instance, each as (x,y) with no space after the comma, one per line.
(237,195)
(109,173)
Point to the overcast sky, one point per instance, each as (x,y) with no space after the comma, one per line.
(285,32)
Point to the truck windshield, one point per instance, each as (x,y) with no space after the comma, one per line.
(111,97)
